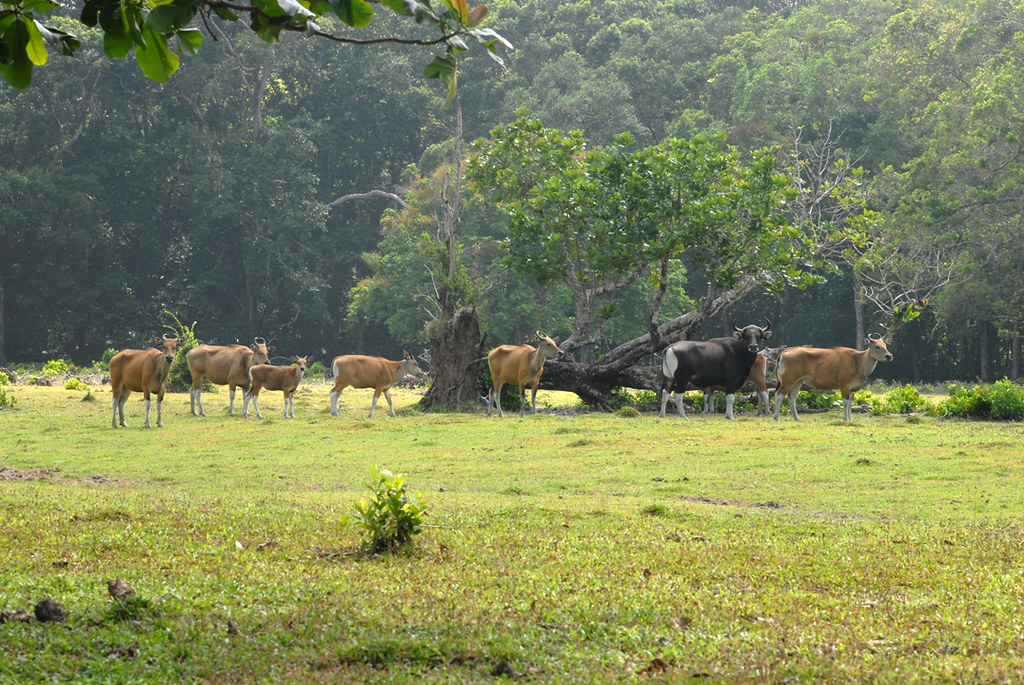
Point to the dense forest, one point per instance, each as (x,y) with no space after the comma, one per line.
(839,167)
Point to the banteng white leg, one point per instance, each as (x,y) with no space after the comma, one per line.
(256,406)
(245,404)
(762,403)
(729,399)
(792,402)
(334,403)
(709,402)
(679,404)
(387,396)
(533,400)
(664,401)
(116,404)
(848,409)
(159,416)
(146,425)
(376,396)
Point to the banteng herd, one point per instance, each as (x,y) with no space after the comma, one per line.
(725,364)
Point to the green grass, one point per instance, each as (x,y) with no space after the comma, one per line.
(560,548)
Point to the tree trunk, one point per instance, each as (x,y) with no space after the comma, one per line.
(457,355)
(858,313)
(1014,347)
(618,369)
(985,351)
(3,336)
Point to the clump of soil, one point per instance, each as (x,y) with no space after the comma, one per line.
(28,474)
(50,610)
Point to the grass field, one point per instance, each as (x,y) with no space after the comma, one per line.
(560,548)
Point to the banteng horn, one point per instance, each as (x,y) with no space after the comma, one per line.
(768,326)
(735,327)
(874,336)
(259,341)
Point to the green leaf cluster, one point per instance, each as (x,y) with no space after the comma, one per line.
(389,516)
(159,31)
(1002,401)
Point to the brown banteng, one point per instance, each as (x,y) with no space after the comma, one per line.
(378,373)
(760,383)
(284,378)
(522,365)
(224,365)
(841,368)
(144,371)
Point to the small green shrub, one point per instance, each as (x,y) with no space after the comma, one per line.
(905,400)
(5,399)
(389,517)
(75,384)
(867,397)
(316,370)
(1003,401)
(1007,401)
(180,377)
(57,367)
(628,413)
(818,400)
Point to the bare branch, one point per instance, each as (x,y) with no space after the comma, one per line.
(371,195)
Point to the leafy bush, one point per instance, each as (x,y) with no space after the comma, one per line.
(621,398)
(180,377)
(905,400)
(1003,401)
(75,384)
(867,397)
(818,400)
(57,367)
(628,413)
(316,370)
(5,399)
(1007,401)
(389,517)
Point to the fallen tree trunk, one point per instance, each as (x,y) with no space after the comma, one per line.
(618,369)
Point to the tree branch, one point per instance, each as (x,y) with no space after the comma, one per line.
(371,195)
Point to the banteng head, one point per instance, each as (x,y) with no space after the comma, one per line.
(169,345)
(548,347)
(409,365)
(753,334)
(302,362)
(876,348)
(261,353)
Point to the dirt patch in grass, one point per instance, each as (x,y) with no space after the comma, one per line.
(52,475)
(771,504)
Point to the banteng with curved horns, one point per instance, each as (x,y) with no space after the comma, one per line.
(224,365)
(838,368)
(378,373)
(144,371)
(717,363)
(522,365)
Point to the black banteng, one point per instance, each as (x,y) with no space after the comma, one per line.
(720,362)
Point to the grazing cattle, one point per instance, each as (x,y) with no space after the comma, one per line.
(717,363)
(841,368)
(522,365)
(224,365)
(144,371)
(757,378)
(285,378)
(378,373)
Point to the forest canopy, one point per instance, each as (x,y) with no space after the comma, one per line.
(215,195)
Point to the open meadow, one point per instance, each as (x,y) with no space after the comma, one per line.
(564,547)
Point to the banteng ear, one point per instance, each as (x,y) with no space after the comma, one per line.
(766,334)
(270,349)
(737,334)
